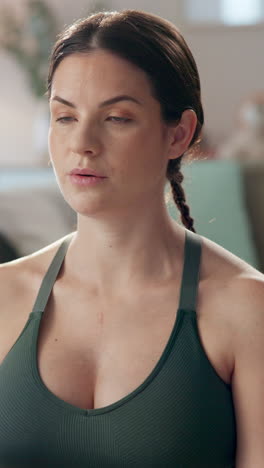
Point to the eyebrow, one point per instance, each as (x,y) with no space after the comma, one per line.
(122,97)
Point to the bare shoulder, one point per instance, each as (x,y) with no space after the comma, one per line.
(233,293)
(20,279)
(236,295)
(226,271)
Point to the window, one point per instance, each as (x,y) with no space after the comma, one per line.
(229,12)
(241,12)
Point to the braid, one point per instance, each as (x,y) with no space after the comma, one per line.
(175,178)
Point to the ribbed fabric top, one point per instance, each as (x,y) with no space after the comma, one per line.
(181,416)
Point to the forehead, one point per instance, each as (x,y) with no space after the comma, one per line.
(100,71)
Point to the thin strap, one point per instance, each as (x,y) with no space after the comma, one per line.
(51,275)
(190,276)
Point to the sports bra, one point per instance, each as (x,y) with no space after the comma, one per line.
(181,416)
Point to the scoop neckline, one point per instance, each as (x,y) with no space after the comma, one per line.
(180,314)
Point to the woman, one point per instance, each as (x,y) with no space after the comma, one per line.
(145,341)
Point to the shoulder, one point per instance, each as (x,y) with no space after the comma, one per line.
(230,280)
(20,279)
(223,269)
(31,261)
(233,292)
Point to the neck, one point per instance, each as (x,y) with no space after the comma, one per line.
(131,251)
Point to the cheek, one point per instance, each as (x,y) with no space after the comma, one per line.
(149,148)
(50,139)
(141,160)
(54,144)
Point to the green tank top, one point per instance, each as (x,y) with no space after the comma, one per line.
(181,416)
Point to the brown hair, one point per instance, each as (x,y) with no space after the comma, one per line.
(157,47)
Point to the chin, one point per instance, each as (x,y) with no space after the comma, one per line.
(83,204)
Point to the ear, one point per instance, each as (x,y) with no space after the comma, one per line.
(181,134)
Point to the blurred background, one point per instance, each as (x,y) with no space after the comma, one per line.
(224,185)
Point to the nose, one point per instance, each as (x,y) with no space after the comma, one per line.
(85,139)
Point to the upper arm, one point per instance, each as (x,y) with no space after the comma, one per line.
(248,374)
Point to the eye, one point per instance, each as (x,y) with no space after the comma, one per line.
(64,119)
(119,119)
(114,119)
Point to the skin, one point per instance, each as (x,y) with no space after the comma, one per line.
(126,214)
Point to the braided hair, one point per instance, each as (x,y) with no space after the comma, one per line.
(175,177)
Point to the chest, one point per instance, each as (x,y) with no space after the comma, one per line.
(169,423)
(92,354)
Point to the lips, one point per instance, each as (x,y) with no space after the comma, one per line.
(86,172)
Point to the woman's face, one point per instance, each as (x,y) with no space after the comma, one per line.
(124,139)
